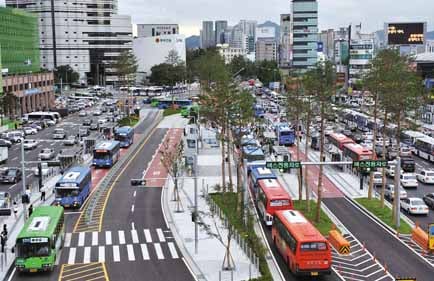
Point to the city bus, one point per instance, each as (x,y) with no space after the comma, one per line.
(179,103)
(259,173)
(188,111)
(125,136)
(40,240)
(272,197)
(40,115)
(73,187)
(356,152)
(106,153)
(424,148)
(301,245)
(337,142)
(409,137)
(255,157)
(285,135)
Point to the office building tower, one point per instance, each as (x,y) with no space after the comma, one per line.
(220,27)
(304,15)
(327,39)
(86,35)
(152,30)
(239,39)
(266,49)
(207,35)
(285,41)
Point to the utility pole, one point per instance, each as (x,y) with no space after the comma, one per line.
(196,240)
(245,196)
(397,194)
(23,168)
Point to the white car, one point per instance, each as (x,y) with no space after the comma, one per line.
(389,192)
(29,131)
(414,206)
(426,176)
(50,122)
(82,113)
(390,171)
(405,151)
(30,144)
(408,180)
(378,178)
(102,121)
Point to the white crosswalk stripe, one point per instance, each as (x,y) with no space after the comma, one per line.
(148,236)
(86,258)
(121,237)
(67,239)
(108,237)
(71,258)
(116,255)
(172,250)
(160,235)
(159,251)
(101,254)
(134,236)
(130,252)
(81,239)
(94,238)
(145,252)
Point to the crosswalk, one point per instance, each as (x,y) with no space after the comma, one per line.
(121,245)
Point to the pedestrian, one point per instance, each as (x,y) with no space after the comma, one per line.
(28,194)
(30,210)
(43,193)
(15,207)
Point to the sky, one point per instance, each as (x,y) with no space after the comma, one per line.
(189,14)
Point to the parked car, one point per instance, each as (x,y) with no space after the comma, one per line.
(5,143)
(101,121)
(414,206)
(390,171)
(15,136)
(71,140)
(59,133)
(97,113)
(46,154)
(409,180)
(29,131)
(426,176)
(44,169)
(391,153)
(30,144)
(10,175)
(389,192)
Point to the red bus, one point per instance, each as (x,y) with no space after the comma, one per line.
(271,198)
(357,152)
(339,140)
(301,245)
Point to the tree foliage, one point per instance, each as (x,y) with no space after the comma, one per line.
(66,74)
(126,66)
(167,74)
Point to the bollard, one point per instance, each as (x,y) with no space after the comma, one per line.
(220,275)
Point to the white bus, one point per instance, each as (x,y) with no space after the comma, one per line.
(40,115)
(424,148)
(409,137)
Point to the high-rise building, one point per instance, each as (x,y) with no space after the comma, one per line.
(239,39)
(25,88)
(86,35)
(220,27)
(248,27)
(152,30)
(266,49)
(304,15)
(361,54)
(227,34)
(207,35)
(285,41)
(327,39)
(228,53)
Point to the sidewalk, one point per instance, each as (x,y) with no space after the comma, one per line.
(208,261)
(14,225)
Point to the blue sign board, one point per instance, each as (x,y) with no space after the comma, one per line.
(320,47)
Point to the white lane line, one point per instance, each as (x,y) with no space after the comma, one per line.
(135,236)
(29,176)
(67,240)
(133,226)
(145,252)
(101,254)
(108,237)
(121,237)
(71,257)
(94,238)
(172,250)
(15,158)
(86,258)
(160,235)
(130,252)
(116,255)
(12,186)
(81,239)
(148,236)
(132,208)
(53,143)
(158,250)
(134,194)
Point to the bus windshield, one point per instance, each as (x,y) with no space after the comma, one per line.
(60,193)
(286,133)
(102,155)
(121,137)
(26,250)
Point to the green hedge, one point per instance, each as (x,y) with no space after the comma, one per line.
(171,111)
(129,121)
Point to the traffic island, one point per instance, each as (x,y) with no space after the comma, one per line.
(384,214)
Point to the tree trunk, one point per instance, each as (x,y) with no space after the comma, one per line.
(228,151)
(374,141)
(223,160)
(396,194)
(300,184)
(383,185)
(320,176)
(306,168)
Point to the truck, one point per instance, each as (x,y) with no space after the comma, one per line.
(3,155)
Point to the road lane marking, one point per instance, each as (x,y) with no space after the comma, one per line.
(148,236)
(108,237)
(53,143)
(172,250)
(130,252)
(81,239)
(133,226)
(67,240)
(134,194)
(15,158)
(160,235)
(121,237)
(94,238)
(86,258)
(132,208)
(71,257)
(116,255)
(158,250)
(135,236)
(145,252)
(12,186)
(101,254)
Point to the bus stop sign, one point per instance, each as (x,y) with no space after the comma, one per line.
(370,164)
(431,236)
(283,165)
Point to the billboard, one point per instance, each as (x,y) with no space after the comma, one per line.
(265,32)
(405,33)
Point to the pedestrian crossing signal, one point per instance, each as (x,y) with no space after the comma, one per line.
(344,250)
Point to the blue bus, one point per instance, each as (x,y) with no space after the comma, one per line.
(125,135)
(106,153)
(259,173)
(259,111)
(285,135)
(255,157)
(180,103)
(74,187)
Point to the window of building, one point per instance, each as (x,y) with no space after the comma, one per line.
(66,40)
(66,32)
(66,19)
(67,57)
(75,57)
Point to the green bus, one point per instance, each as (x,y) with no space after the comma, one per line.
(190,111)
(40,240)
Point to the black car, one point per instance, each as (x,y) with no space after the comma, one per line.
(5,143)
(87,122)
(11,175)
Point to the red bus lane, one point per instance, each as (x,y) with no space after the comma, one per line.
(329,190)
(156,174)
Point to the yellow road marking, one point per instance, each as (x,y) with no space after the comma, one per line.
(84,276)
(82,271)
(77,267)
(105,271)
(96,278)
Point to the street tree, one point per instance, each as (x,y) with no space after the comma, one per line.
(66,74)
(173,58)
(126,66)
